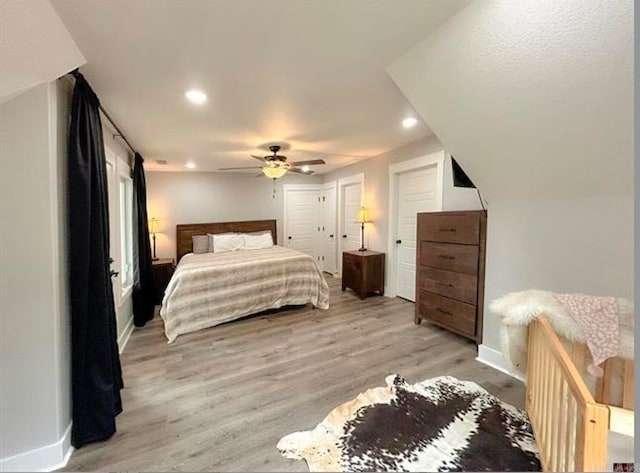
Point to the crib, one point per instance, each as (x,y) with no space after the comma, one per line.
(571,422)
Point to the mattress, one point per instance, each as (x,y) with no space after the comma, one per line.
(212,288)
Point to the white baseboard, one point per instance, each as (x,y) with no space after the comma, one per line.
(48,458)
(495,359)
(123,339)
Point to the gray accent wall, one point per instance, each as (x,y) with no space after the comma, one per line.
(203,197)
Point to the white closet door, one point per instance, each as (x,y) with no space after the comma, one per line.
(416,193)
(329,230)
(351,202)
(302,207)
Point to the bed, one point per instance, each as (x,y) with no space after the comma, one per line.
(573,421)
(212,288)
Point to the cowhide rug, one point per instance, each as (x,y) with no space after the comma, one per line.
(441,424)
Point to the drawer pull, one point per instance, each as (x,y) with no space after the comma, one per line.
(446,257)
(447,229)
(444,311)
(445,284)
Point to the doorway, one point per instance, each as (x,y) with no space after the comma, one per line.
(328,232)
(415,186)
(302,218)
(350,199)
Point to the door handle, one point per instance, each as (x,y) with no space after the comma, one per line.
(344,236)
(398,242)
(110,260)
(331,236)
(113,273)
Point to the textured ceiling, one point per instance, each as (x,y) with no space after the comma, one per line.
(534,99)
(306,74)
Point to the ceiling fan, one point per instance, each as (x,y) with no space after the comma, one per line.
(276,165)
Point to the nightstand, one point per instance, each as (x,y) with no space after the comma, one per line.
(162,272)
(363,271)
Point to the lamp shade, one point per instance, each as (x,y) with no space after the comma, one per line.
(275,170)
(363,215)
(153,225)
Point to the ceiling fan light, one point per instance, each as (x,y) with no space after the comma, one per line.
(274,172)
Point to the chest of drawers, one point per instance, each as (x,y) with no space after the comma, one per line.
(450,263)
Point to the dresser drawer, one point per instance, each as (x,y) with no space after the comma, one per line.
(448,228)
(449,313)
(460,286)
(458,258)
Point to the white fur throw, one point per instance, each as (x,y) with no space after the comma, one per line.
(518,309)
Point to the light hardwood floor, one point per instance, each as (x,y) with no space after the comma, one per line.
(221,398)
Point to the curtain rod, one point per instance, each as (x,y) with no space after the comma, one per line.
(119,133)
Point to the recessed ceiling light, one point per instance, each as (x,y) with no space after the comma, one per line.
(409,122)
(305,168)
(197,97)
(190,165)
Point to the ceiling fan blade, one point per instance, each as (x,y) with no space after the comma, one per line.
(300,171)
(234,169)
(259,158)
(309,163)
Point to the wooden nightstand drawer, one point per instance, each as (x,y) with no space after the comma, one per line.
(449,227)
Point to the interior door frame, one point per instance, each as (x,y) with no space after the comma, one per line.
(342,183)
(437,158)
(286,189)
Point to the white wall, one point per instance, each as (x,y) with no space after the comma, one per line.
(376,178)
(535,101)
(34,327)
(203,197)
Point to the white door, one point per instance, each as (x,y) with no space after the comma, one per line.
(120,189)
(328,233)
(351,203)
(302,220)
(417,192)
(114,228)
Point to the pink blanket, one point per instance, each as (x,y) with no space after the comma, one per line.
(597,317)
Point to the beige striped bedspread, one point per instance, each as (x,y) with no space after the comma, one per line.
(212,288)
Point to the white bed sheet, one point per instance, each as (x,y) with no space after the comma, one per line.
(212,288)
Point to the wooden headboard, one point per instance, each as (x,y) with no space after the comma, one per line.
(184,243)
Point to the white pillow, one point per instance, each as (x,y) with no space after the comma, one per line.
(227,242)
(200,244)
(210,235)
(257,240)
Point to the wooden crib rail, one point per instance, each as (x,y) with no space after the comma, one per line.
(569,426)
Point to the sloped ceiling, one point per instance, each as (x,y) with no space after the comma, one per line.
(35,46)
(533,98)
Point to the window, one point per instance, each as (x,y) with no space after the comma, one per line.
(126,232)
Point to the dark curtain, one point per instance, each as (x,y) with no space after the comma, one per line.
(95,367)
(143,287)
